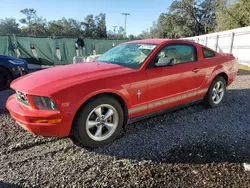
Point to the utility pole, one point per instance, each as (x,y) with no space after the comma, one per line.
(114,28)
(125,14)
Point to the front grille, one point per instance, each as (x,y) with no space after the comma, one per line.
(22,98)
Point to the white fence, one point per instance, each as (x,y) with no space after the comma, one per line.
(235,41)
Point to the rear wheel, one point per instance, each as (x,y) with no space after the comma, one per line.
(99,122)
(5,78)
(216,92)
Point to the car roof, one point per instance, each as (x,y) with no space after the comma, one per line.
(149,41)
(159,41)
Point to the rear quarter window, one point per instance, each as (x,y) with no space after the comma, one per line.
(207,53)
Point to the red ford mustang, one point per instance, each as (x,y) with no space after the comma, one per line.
(134,80)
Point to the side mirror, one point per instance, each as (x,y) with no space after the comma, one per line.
(165,61)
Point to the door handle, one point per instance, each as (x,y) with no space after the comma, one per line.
(196,70)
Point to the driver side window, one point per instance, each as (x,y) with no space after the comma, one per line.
(178,53)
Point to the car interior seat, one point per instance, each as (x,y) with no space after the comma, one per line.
(173,54)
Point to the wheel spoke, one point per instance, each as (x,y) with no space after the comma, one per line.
(109,125)
(98,132)
(217,86)
(217,97)
(108,114)
(220,90)
(98,112)
(214,96)
(91,124)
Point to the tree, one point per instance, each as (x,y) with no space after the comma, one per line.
(9,26)
(185,18)
(120,33)
(30,14)
(110,34)
(233,15)
(131,37)
(145,34)
(34,25)
(56,28)
(90,26)
(100,22)
(198,15)
(95,27)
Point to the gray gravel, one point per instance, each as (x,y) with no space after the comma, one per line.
(193,147)
(3,97)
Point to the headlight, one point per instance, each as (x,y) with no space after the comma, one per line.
(22,98)
(20,68)
(16,62)
(44,103)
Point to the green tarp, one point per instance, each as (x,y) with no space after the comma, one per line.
(48,51)
(5,46)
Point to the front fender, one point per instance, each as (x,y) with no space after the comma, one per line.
(122,93)
(69,100)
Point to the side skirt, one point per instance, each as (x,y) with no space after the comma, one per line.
(161,112)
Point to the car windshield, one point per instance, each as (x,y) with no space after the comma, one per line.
(130,55)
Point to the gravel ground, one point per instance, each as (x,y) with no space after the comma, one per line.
(3,97)
(193,147)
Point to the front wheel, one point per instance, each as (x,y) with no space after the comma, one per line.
(216,92)
(5,78)
(99,122)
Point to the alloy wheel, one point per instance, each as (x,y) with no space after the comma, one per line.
(218,92)
(102,122)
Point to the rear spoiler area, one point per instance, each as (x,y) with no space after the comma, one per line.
(226,54)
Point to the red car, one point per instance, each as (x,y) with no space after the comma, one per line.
(134,80)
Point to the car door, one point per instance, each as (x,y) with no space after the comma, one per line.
(171,85)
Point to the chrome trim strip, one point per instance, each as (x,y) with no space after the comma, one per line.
(166,101)
(138,109)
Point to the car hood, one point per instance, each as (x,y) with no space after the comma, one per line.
(12,58)
(48,81)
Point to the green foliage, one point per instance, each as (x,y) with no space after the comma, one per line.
(120,33)
(233,15)
(184,18)
(33,25)
(30,16)
(100,22)
(9,25)
(196,17)
(65,27)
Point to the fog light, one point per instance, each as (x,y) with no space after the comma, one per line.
(47,121)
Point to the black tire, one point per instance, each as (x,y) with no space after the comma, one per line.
(208,100)
(79,130)
(5,79)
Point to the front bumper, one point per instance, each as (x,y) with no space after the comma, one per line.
(24,116)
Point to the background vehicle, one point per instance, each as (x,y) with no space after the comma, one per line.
(132,81)
(10,69)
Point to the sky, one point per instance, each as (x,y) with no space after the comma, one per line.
(142,12)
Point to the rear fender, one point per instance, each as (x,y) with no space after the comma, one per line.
(217,70)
